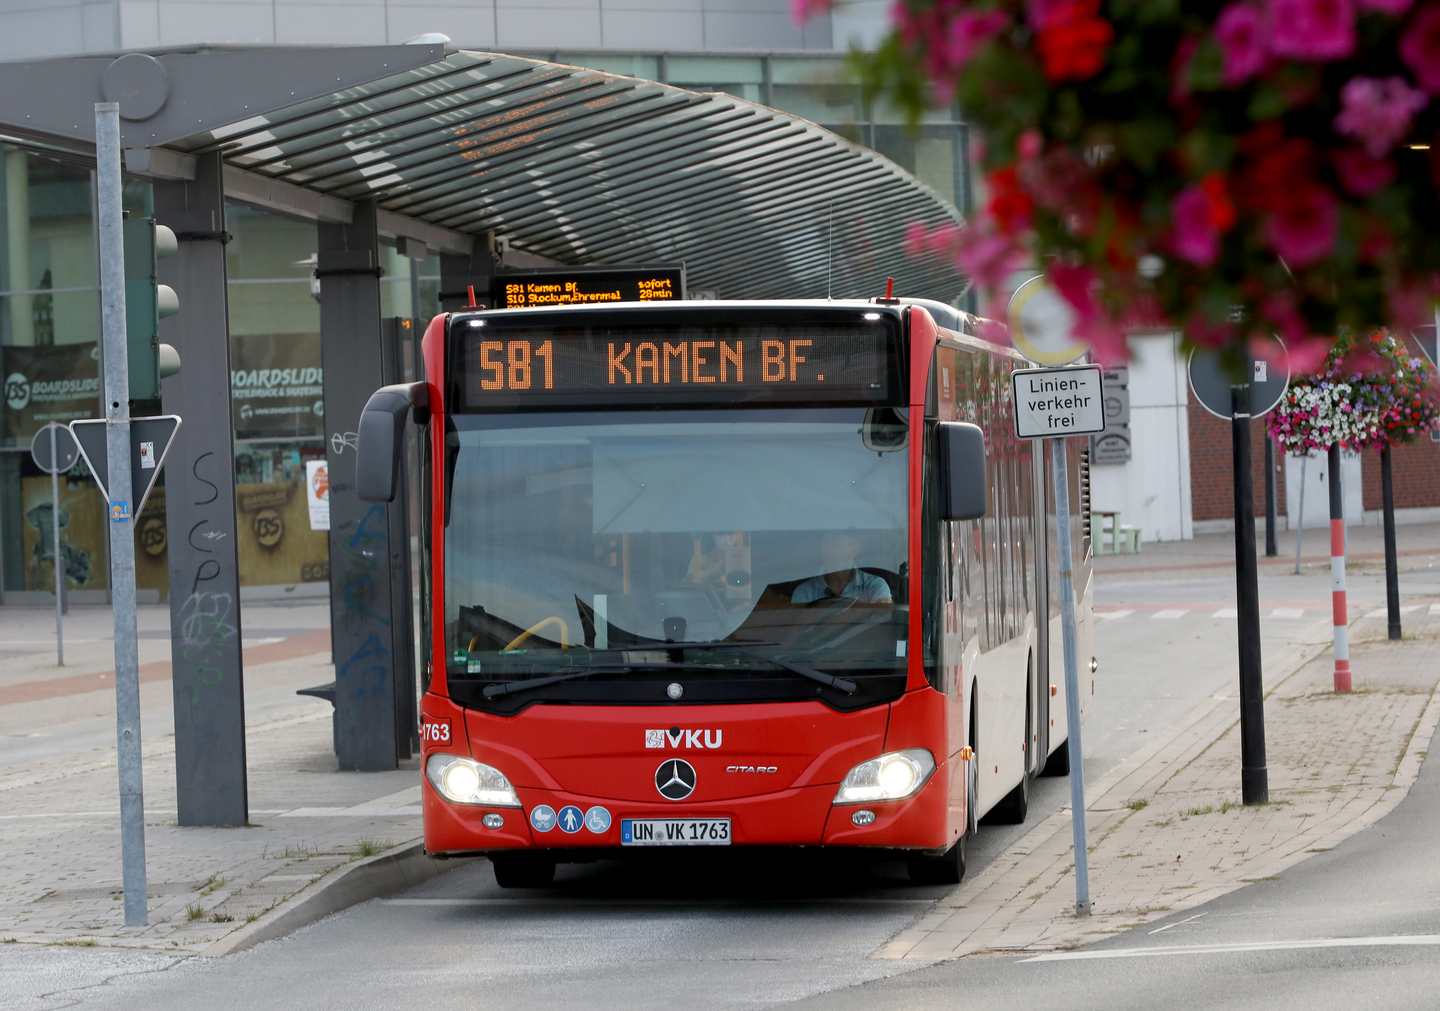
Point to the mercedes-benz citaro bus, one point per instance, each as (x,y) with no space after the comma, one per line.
(727,574)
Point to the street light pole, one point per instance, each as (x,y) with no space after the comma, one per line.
(122,533)
(1254,778)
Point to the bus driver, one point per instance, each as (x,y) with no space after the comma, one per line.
(842,580)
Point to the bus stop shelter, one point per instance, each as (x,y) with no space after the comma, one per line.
(436,151)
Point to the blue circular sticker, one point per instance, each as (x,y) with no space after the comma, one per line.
(542,818)
(597,820)
(570,819)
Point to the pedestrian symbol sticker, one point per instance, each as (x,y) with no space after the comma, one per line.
(597,820)
(542,818)
(571,819)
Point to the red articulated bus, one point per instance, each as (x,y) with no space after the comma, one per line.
(727,574)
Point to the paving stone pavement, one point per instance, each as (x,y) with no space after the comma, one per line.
(59,821)
(1167,830)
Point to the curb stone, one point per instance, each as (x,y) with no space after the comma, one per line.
(372,878)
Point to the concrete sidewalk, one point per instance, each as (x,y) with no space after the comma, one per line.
(210,889)
(1167,830)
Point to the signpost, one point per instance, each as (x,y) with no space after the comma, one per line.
(54,451)
(1054,404)
(1262,386)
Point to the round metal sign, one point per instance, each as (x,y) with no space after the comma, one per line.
(65,449)
(1213,386)
(1042,324)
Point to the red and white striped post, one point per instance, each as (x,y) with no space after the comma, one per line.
(1337,575)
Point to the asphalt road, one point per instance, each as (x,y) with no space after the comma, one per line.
(1348,930)
(744,932)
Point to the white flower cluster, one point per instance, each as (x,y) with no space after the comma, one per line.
(1322,415)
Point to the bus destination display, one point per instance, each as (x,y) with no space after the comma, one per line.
(588,286)
(843,362)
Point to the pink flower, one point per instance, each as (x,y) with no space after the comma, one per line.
(1239,31)
(1392,7)
(1420,47)
(989,259)
(1311,29)
(1303,229)
(1362,175)
(969,32)
(1195,237)
(1377,111)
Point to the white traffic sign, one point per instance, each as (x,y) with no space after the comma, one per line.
(1042,324)
(1054,403)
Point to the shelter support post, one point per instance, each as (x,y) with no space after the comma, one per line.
(200,522)
(1271,548)
(460,273)
(361,612)
(398,339)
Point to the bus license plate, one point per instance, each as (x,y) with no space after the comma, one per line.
(675,831)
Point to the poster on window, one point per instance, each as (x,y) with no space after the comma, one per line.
(277,386)
(57,382)
(317,493)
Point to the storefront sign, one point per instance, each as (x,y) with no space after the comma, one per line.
(317,493)
(276,386)
(58,382)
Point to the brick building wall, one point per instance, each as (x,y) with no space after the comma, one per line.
(1415,472)
(1212,488)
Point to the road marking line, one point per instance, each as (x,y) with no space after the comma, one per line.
(1112,615)
(1226,612)
(1435,608)
(1288,612)
(1169,615)
(1399,940)
(1178,923)
(559,900)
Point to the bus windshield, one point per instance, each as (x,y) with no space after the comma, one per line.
(596,539)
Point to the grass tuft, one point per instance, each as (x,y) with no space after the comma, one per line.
(1138,805)
(193,911)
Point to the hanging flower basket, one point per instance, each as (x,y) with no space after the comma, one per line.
(1371,392)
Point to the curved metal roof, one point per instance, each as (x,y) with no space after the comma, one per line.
(587,167)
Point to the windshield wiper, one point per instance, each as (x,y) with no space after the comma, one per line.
(744,649)
(510,687)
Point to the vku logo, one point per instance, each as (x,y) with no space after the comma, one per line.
(677,738)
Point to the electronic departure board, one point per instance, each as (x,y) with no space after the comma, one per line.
(703,356)
(530,289)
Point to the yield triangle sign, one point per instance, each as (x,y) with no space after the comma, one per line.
(150,440)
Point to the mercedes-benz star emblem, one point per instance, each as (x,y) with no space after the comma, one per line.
(675,779)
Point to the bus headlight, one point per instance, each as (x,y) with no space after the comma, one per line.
(462,781)
(895,776)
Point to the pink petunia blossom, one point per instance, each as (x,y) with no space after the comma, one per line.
(1194,237)
(989,258)
(969,32)
(1392,7)
(1311,29)
(1240,32)
(1360,174)
(1420,47)
(1303,229)
(1377,111)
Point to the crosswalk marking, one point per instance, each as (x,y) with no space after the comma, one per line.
(1112,615)
(1435,608)
(1171,614)
(1288,612)
(1226,612)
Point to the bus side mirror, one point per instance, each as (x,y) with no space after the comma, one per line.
(961,452)
(382,425)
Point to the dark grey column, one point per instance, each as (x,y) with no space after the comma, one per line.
(397,336)
(361,615)
(457,273)
(200,510)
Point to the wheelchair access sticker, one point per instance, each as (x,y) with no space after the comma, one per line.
(119,511)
